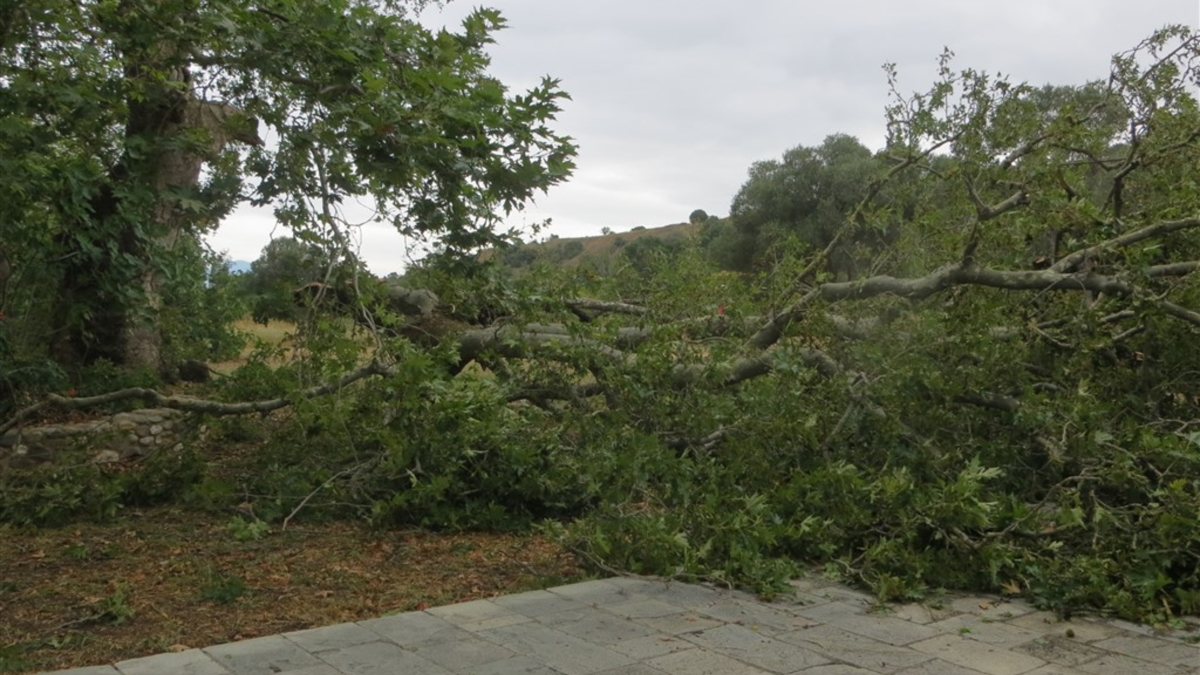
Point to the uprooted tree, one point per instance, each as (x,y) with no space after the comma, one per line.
(1008,400)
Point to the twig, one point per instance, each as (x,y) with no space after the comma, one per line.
(322,486)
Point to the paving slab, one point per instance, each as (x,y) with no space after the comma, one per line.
(984,630)
(1156,650)
(749,646)
(638,626)
(407,630)
(1060,650)
(262,656)
(981,656)
(558,650)
(332,637)
(189,662)
(379,658)
(846,647)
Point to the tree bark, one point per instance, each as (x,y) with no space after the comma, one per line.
(108,307)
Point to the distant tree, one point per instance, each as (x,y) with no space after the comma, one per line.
(644,254)
(517,255)
(606,230)
(807,194)
(567,250)
(729,247)
(284,265)
(698,216)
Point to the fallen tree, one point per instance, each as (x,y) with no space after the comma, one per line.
(965,415)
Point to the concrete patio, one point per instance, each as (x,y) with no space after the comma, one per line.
(627,626)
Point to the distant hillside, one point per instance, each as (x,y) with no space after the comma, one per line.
(239,266)
(572,251)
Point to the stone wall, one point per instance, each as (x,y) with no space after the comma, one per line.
(115,438)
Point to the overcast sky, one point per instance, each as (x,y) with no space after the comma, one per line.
(674,99)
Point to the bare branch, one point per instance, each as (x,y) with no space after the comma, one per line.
(703,444)
(1178,269)
(736,371)
(1024,149)
(985,212)
(518,341)
(607,306)
(989,400)
(1017,199)
(337,476)
(195,405)
(1118,316)
(1125,335)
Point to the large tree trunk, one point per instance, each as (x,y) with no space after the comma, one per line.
(110,308)
(166,171)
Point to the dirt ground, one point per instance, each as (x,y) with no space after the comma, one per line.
(167,579)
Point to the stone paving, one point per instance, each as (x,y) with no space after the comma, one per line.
(637,627)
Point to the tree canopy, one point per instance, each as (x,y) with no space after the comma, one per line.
(111,108)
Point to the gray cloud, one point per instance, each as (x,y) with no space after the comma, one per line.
(674,99)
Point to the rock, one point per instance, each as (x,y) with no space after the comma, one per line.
(418,302)
(120,436)
(107,457)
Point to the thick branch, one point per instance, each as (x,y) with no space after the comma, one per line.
(989,400)
(986,212)
(736,371)
(957,275)
(195,405)
(540,395)
(1178,269)
(1072,262)
(607,306)
(517,342)
(1024,149)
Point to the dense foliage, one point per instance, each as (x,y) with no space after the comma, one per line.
(995,388)
(110,110)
